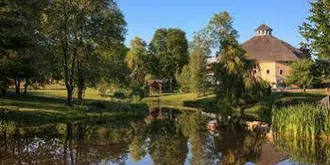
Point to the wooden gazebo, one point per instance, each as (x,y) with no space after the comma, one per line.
(155,86)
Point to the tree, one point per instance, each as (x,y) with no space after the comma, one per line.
(169,53)
(233,69)
(221,32)
(136,58)
(316,29)
(82,31)
(323,68)
(184,79)
(197,63)
(22,45)
(304,73)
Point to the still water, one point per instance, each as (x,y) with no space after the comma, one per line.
(162,137)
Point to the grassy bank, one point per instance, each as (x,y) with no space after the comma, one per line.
(176,99)
(262,110)
(50,106)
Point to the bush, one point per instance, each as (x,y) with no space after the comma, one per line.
(99,104)
(119,95)
(103,89)
(184,89)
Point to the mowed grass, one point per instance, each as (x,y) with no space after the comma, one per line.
(174,99)
(91,94)
(50,106)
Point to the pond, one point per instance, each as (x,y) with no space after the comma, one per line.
(163,137)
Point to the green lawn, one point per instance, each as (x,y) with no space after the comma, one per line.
(175,99)
(50,106)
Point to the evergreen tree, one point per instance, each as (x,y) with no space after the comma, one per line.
(184,79)
(198,65)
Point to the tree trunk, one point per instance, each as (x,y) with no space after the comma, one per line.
(68,69)
(26,86)
(304,88)
(17,86)
(81,89)
(171,80)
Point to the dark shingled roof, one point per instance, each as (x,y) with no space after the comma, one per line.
(269,48)
(264,27)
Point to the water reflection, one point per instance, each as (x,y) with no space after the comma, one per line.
(162,137)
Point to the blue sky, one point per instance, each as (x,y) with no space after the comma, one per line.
(284,16)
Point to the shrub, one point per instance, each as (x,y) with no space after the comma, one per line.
(119,95)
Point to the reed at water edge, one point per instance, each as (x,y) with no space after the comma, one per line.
(305,121)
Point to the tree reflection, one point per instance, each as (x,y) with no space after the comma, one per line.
(138,148)
(193,127)
(167,145)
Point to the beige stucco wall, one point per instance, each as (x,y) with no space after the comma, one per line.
(262,72)
(286,69)
(274,71)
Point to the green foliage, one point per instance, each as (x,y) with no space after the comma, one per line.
(304,72)
(323,68)
(197,66)
(316,29)
(139,92)
(184,79)
(221,31)
(24,50)
(234,72)
(234,75)
(168,54)
(86,34)
(136,59)
(119,95)
(301,121)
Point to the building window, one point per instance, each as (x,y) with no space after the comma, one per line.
(281,72)
(267,71)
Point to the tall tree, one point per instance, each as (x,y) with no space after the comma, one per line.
(184,79)
(197,64)
(81,30)
(221,31)
(22,44)
(169,49)
(233,70)
(136,58)
(157,49)
(316,29)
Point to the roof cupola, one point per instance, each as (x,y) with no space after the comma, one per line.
(264,30)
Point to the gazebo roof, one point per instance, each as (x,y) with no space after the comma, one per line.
(150,82)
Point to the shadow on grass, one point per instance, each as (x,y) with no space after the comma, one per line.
(32,108)
(208,102)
